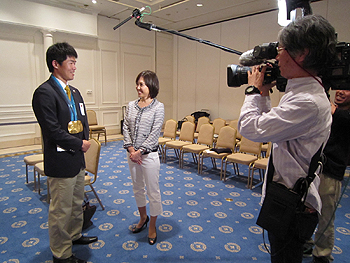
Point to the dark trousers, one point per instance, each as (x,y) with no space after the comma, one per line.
(290,249)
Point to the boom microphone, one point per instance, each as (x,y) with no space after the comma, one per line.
(136,13)
(248,59)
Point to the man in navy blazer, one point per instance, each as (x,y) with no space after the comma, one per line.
(61,114)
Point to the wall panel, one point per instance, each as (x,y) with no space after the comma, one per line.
(186,76)
(109,77)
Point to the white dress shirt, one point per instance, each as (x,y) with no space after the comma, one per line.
(298,126)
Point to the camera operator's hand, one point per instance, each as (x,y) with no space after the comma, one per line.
(256,78)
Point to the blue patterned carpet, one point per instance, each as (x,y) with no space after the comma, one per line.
(204,219)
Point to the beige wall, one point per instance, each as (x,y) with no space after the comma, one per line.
(192,75)
(108,63)
(200,72)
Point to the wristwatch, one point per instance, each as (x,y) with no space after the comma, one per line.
(142,151)
(252,90)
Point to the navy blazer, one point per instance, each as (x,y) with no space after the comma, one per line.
(52,112)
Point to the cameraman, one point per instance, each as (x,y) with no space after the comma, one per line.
(301,122)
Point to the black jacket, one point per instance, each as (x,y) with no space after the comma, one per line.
(337,150)
(53,114)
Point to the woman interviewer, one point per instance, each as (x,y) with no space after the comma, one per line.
(142,125)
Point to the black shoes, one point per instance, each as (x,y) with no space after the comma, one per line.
(139,229)
(152,241)
(71,259)
(85,240)
(135,230)
(320,260)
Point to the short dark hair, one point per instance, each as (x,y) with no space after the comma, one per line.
(151,81)
(59,52)
(312,32)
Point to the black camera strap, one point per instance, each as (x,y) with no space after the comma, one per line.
(301,186)
(315,162)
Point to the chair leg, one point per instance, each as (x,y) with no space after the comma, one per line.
(164,157)
(39,183)
(198,161)
(236,167)
(176,153)
(194,158)
(105,138)
(161,153)
(224,175)
(180,158)
(250,176)
(34,179)
(27,173)
(98,199)
(213,162)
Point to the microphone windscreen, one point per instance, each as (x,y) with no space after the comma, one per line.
(247,59)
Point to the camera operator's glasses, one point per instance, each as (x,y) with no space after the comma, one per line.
(279,49)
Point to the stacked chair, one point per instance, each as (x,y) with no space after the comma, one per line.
(204,142)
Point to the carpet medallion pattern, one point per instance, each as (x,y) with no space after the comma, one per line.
(203,220)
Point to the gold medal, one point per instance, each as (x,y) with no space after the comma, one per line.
(75,127)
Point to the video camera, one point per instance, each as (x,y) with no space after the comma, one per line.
(336,76)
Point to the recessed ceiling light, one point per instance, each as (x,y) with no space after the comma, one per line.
(199,5)
(94,1)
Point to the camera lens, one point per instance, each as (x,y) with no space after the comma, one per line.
(237,75)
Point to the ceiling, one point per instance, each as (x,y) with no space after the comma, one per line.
(170,14)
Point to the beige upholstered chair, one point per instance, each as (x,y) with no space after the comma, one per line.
(185,138)
(264,149)
(260,164)
(32,160)
(226,140)
(187,118)
(169,134)
(94,128)
(190,118)
(204,142)
(92,158)
(234,124)
(218,123)
(39,169)
(249,152)
(200,122)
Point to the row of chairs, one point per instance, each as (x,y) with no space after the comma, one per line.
(230,147)
(218,123)
(92,157)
